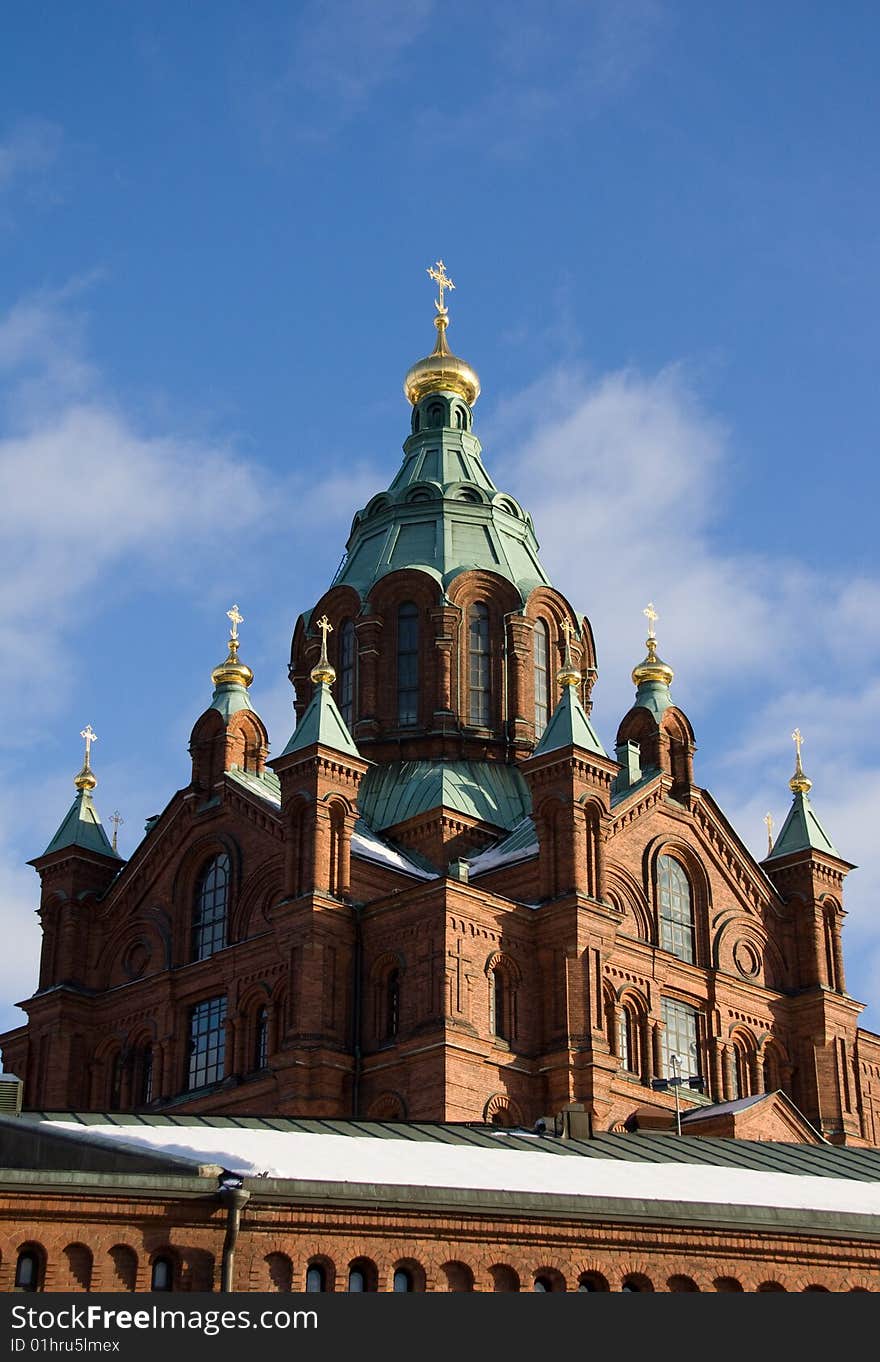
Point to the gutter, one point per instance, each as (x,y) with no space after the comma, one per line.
(234,1198)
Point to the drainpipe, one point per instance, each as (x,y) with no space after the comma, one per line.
(356,1014)
(234,1199)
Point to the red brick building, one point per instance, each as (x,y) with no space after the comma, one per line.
(443,900)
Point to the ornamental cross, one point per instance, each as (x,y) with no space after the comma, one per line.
(237,619)
(768,823)
(90,737)
(569,630)
(117,820)
(797,739)
(442,280)
(326,628)
(651,615)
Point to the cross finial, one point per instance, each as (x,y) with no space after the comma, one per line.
(768,823)
(797,738)
(441,279)
(799,783)
(117,820)
(90,737)
(326,628)
(323,672)
(651,615)
(237,618)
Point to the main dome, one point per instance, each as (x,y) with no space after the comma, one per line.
(441,371)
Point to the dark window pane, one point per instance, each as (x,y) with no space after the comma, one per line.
(207,1042)
(209,916)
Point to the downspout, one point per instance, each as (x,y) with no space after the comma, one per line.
(356,1013)
(234,1199)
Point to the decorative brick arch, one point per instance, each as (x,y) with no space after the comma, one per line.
(388,1106)
(502,1110)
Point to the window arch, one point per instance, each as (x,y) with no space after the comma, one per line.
(403,1279)
(479,664)
(542,676)
(500,1022)
(261,1038)
(408,664)
(29,1269)
(162,1274)
(347,666)
(210,909)
(316,1277)
(362,1275)
(676,909)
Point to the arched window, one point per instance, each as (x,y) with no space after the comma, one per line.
(408,665)
(316,1278)
(357,1280)
(542,1284)
(209,914)
(478,665)
(392,1004)
(116,1066)
(676,909)
(402,1280)
(542,676)
(435,414)
(627,1042)
(499,1004)
(680,1038)
(27,1270)
(162,1275)
(740,1076)
(145,1095)
(261,1038)
(347,655)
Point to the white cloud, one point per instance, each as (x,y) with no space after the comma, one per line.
(29,147)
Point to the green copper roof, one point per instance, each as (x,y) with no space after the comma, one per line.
(569,727)
(322,723)
(443,514)
(229,699)
(655,697)
(82,828)
(802,831)
(489,790)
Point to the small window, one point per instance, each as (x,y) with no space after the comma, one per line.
(408,665)
(542,676)
(207,1042)
(357,1280)
(676,909)
(27,1271)
(261,1038)
(626,1039)
(162,1276)
(499,1004)
(403,1280)
(392,1005)
(478,665)
(146,1083)
(435,415)
(209,915)
(316,1278)
(542,1284)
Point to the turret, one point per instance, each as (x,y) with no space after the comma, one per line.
(230,732)
(655,735)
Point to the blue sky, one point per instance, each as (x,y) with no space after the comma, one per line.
(662,220)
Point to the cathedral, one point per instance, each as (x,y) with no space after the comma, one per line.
(443,900)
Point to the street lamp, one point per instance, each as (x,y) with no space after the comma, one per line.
(675,1082)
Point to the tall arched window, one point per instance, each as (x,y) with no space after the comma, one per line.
(499,1004)
(145,1096)
(676,909)
(478,665)
(209,913)
(261,1038)
(347,655)
(27,1270)
(408,664)
(162,1276)
(627,1039)
(392,1005)
(542,676)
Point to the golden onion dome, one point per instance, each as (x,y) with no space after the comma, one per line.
(653,668)
(233,672)
(441,371)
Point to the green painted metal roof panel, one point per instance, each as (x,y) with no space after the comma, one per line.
(491,791)
(81,827)
(569,726)
(228,700)
(322,723)
(802,831)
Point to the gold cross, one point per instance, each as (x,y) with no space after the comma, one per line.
(442,280)
(797,739)
(569,630)
(768,822)
(117,820)
(236,618)
(90,737)
(326,628)
(651,614)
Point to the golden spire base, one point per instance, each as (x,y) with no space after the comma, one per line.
(324,673)
(653,668)
(799,783)
(568,674)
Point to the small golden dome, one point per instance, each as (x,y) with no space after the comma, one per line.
(232,672)
(441,371)
(653,668)
(85,780)
(799,783)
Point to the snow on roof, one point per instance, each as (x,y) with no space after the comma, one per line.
(366,844)
(306,1157)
